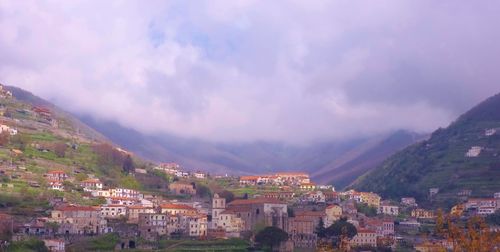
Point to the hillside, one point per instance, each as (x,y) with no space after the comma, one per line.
(337,162)
(441,161)
(366,156)
(36,137)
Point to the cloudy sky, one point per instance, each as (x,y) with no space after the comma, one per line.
(247,70)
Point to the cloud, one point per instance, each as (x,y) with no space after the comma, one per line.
(292,71)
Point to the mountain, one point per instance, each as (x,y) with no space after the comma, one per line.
(337,162)
(364,157)
(441,161)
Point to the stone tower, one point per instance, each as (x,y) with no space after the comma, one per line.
(218,205)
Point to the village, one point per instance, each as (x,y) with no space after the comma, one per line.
(285,200)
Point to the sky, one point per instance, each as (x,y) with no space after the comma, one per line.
(224,70)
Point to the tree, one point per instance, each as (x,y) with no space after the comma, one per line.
(439,222)
(228,195)
(202,191)
(367,210)
(320,229)
(340,231)
(271,237)
(60,149)
(128,164)
(4,138)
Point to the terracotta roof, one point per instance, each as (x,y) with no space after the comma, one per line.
(255,201)
(332,206)
(364,230)
(311,213)
(78,208)
(176,206)
(56,172)
(249,177)
(139,207)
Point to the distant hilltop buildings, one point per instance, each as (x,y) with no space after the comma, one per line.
(280,178)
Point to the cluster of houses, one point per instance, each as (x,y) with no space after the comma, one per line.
(175,169)
(5,128)
(297,212)
(299,179)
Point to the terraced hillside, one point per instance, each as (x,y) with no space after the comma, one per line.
(465,155)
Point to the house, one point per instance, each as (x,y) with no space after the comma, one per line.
(74,219)
(483,210)
(9,130)
(301,231)
(307,186)
(169,168)
(388,209)
(409,201)
(174,209)
(56,185)
(153,225)
(135,210)
(180,188)
(420,213)
(332,197)
(113,211)
(372,199)
(457,210)
(282,195)
(121,201)
(433,192)
(230,222)
(91,184)
(382,227)
(125,193)
(475,203)
(474,151)
(333,213)
(249,180)
(267,212)
(293,178)
(199,175)
(55,245)
(56,175)
(364,237)
(315,196)
(194,225)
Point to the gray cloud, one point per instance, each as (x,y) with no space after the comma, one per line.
(256,70)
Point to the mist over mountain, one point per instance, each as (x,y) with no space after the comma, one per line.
(337,162)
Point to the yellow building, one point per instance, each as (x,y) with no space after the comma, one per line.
(457,210)
(333,213)
(372,199)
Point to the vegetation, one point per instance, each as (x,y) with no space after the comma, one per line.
(441,161)
(366,209)
(31,244)
(271,237)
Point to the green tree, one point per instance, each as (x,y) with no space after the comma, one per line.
(229,196)
(128,164)
(339,230)
(365,209)
(202,191)
(30,244)
(271,237)
(320,229)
